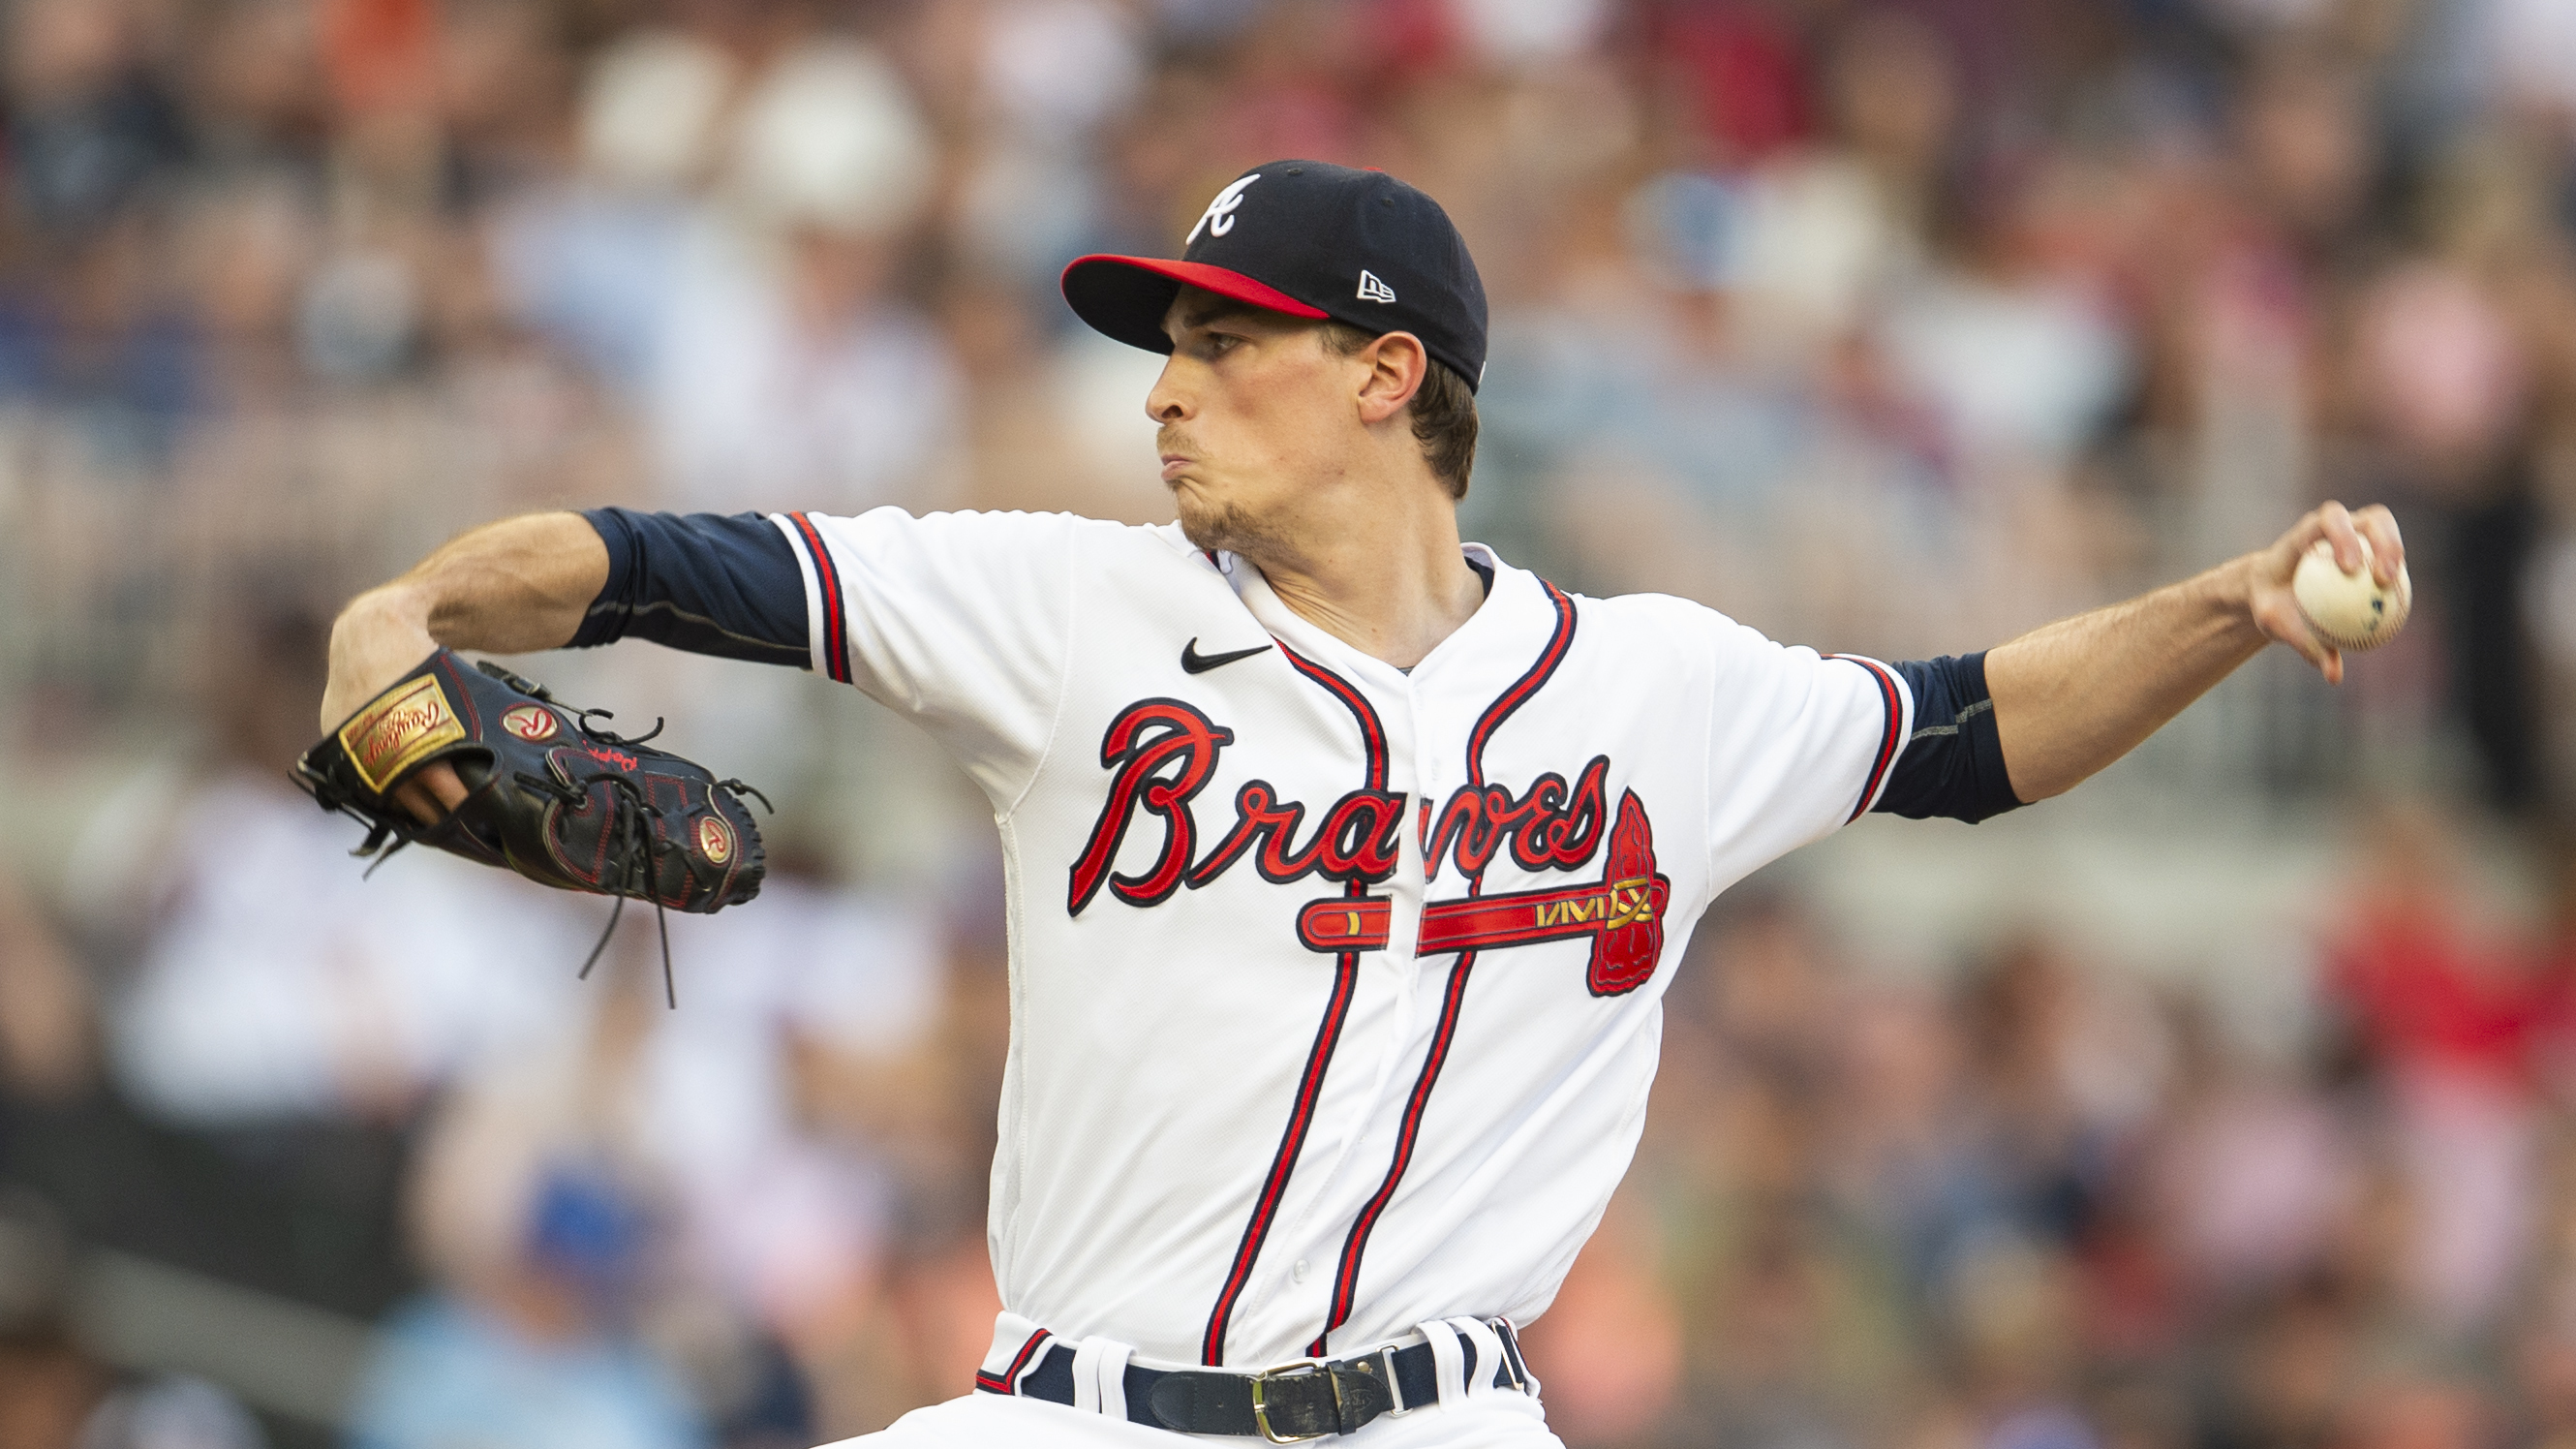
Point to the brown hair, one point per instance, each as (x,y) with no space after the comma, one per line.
(1444,411)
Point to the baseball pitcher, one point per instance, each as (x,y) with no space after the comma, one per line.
(1347,863)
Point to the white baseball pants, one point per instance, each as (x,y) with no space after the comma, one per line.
(1500,1420)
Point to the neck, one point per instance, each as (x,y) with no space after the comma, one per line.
(1390,582)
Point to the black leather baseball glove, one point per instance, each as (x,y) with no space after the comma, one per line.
(549,796)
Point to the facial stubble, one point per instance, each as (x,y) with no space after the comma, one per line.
(1217,523)
(1226,525)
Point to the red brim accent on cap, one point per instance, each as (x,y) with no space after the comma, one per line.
(1127,297)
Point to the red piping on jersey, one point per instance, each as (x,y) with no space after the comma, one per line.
(1327,1037)
(1346,1277)
(1513,698)
(1372,734)
(1887,743)
(836,639)
(1328,1034)
(1008,1380)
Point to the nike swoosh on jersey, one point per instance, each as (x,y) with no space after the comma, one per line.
(1197,663)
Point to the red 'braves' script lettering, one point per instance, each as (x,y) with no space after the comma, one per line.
(1547,826)
(1163,752)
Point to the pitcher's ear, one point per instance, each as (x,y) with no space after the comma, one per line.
(1398,364)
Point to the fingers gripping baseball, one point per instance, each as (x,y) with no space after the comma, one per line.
(2364,544)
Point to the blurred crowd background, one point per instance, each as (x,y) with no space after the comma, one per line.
(2229,1104)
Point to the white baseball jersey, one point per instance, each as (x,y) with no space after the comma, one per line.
(1335,988)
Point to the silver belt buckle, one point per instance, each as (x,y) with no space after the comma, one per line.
(1305,1368)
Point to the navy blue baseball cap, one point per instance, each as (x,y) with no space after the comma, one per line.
(1308,239)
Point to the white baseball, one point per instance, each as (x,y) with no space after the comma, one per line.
(2350,611)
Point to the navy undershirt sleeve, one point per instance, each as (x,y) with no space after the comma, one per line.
(703,582)
(1953,765)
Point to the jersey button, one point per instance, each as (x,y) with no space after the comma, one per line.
(1299,1272)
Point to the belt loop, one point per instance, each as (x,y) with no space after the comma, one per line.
(1100,1376)
(1113,1380)
(1086,1374)
(1511,1338)
(1448,1360)
(1490,1364)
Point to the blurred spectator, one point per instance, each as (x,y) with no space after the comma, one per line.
(1046,75)
(48,1048)
(49,1387)
(525,1371)
(54,1393)
(48,1390)
(788,1213)
(591,263)
(545,1235)
(2251,1175)
(671,1188)
(176,1413)
(2445,1020)
(786,373)
(90,127)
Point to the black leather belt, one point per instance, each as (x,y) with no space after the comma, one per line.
(1305,1400)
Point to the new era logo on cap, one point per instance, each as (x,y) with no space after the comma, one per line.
(1290,245)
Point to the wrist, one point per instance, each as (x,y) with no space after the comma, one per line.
(386,613)
(2233,590)
(375,641)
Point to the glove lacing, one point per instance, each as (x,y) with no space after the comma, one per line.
(631,845)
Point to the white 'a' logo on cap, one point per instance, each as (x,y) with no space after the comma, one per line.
(1373,290)
(1219,216)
